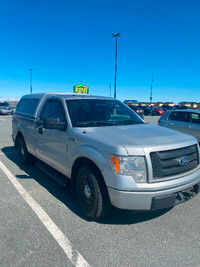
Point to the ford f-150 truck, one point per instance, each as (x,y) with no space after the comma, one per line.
(107,152)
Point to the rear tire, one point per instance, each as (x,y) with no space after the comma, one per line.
(24,156)
(92,193)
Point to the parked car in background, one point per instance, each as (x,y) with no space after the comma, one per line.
(180,107)
(5,109)
(186,121)
(138,110)
(148,110)
(159,111)
(166,107)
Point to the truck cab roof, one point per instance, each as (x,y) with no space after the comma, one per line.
(64,95)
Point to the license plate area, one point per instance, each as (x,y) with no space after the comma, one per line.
(188,193)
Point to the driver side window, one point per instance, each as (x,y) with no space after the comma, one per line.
(53,108)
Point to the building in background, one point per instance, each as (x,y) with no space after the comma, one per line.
(192,105)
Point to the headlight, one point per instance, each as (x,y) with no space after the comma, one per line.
(133,166)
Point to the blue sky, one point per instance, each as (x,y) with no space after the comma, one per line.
(69,41)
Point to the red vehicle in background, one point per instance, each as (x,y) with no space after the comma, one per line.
(159,111)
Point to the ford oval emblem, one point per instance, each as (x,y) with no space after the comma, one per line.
(184,161)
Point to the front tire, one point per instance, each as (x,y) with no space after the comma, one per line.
(92,193)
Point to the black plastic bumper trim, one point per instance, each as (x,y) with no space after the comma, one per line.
(171,200)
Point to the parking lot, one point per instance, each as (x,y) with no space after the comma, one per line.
(42,225)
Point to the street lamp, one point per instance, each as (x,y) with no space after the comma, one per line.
(151,88)
(115,36)
(31,89)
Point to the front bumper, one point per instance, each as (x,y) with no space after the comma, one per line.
(6,111)
(144,200)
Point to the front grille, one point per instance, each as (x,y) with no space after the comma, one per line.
(166,163)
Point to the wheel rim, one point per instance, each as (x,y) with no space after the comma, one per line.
(87,192)
(21,150)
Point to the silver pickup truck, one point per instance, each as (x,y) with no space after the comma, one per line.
(107,152)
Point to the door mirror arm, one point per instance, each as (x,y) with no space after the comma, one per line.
(54,123)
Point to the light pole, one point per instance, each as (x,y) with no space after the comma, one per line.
(151,88)
(31,89)
(115,36)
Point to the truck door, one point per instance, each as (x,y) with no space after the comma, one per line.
(51,143)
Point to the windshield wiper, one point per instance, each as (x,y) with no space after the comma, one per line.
(80,124)
(130,122)
(106,123)
(92,123)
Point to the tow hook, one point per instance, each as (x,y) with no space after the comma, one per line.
(186,193)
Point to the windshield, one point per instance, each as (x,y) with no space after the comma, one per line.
(4,104)
(100,112)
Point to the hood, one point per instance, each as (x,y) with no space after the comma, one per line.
(138,136)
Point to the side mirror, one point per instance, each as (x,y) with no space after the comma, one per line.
(54,123)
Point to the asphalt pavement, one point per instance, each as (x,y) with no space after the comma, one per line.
(41,224)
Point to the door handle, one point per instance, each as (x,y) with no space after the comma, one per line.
(191,126)
(40,130)
(171,124)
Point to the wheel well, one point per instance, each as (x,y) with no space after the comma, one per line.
(77,164)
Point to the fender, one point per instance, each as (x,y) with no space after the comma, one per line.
(26,129)
(91,153)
